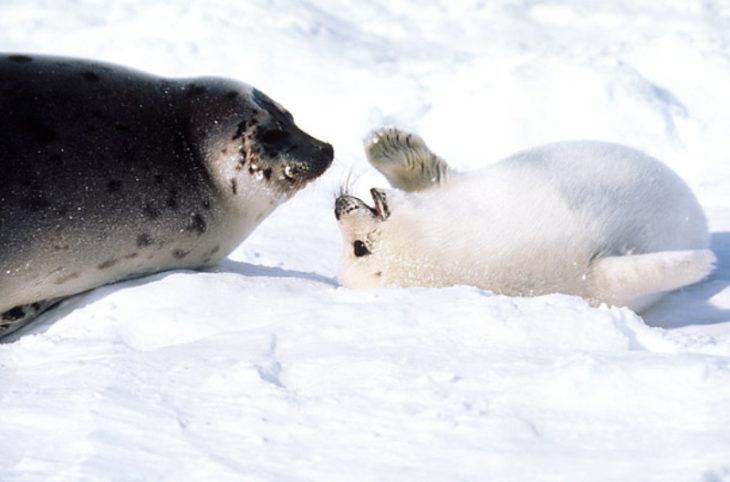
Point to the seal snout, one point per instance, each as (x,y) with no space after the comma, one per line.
(302,157)
(345,204)
(327,152)
(308,164)
(322,156)
(322,151)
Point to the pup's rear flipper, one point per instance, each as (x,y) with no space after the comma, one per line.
(638,281)
(404,159)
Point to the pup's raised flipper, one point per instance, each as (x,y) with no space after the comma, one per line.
(637,281)
(405,160)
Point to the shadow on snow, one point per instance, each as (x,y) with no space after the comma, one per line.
(45,320)
(694,305)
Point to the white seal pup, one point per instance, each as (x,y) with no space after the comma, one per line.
(594,219)
(108,173)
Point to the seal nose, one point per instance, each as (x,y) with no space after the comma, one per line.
(327,151)
(345,204)
(322,156)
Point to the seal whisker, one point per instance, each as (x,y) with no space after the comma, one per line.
(345,187)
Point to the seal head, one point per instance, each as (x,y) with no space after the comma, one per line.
(240,128)
(369,248)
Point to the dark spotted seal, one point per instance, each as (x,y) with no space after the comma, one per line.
(108,173)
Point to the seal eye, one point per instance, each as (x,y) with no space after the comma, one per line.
(274,137)
(360,249)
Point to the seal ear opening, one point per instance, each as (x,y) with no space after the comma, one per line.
(381,203)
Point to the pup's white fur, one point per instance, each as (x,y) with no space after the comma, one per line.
(598,220)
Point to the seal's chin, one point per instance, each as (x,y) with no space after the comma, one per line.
(293,173)
(301,172)
(285,175)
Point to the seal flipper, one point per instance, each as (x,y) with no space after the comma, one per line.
(637,281)
(16,318)
(405,160)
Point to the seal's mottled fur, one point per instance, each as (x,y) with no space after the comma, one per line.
(108,173)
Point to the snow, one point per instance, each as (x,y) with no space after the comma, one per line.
(265,369)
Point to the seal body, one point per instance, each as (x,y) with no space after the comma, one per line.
(598,220)
(108,173)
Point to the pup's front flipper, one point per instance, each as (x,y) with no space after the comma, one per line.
(405,160)
(638,281)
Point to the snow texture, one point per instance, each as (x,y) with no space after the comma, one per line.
(265,369)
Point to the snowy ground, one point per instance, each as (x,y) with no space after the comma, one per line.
(265,369)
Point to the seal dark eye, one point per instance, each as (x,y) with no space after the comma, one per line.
(274,138)
(360,249)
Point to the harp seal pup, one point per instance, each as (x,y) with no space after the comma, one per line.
(108,173)
(593,219)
